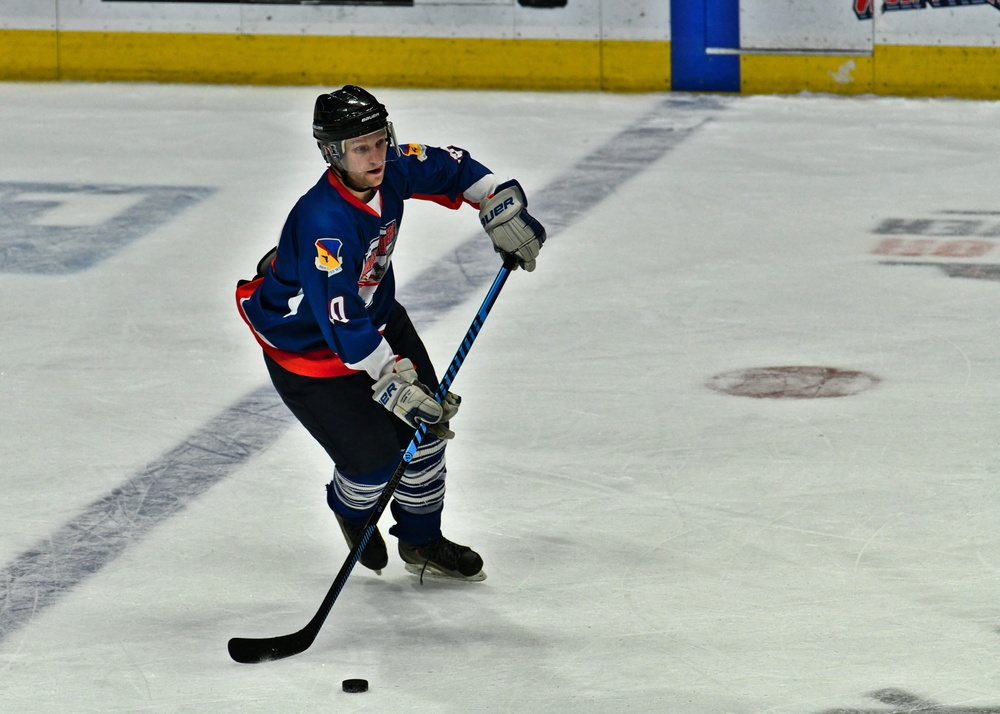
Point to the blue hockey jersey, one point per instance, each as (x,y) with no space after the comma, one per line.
(319,306)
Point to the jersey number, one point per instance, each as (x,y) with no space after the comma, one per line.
(338,313)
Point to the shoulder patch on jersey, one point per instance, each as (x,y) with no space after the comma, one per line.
(418,150)
(328,255)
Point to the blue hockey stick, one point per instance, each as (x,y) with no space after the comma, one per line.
(251,650)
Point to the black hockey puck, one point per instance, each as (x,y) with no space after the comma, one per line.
(355,685)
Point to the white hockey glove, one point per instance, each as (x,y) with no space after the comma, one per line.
(401,392)
(512,229)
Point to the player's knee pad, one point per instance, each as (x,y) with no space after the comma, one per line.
(352,497)
(427,464)
(421,490)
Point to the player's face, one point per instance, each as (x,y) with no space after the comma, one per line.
(364,158)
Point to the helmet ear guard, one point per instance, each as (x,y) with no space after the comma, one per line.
(333,152)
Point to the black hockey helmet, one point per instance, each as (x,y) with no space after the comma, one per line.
(348,113)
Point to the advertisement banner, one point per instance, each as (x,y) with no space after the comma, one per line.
(795,26)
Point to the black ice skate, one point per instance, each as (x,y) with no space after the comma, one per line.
(442,558)
(374,556)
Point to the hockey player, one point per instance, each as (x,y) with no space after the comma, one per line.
(340,350)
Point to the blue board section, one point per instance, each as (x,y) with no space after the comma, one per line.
(695,26)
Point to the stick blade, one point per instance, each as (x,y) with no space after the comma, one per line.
(249,650)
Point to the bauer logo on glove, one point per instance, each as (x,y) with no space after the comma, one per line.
(512,229)
(386,394)
(495,211)
(404,395)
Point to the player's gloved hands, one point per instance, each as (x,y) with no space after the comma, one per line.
(512,229)
(401,392)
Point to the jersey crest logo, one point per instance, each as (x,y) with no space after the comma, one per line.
(418,150)
(328,255)
(377,261)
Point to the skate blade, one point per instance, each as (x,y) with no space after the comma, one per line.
(431,572)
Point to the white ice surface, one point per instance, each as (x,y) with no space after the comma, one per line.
(651,545)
